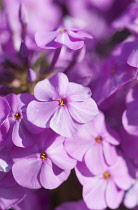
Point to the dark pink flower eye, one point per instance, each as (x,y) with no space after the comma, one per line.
(17,116)
(98,139)
(43,156)
(106,175)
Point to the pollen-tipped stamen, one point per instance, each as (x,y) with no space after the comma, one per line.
(98,139)
(17,116)
(62,31)
(61,102)
(106,175)
(43,156)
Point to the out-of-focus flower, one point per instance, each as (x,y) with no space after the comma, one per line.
(67,35)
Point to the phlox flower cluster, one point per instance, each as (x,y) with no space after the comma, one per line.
(68,105)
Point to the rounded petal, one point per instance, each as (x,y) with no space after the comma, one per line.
(62,123)
(94,193)
(77,147)
(26,172)
(80,34)
(51,176)
(60,158)
(10,196)
(44,39)
(84,111)
(120,174)
(110,153)
(39,113)
(69,41)
(82,172)
(130,118)
(77,92)
(114,195)
(51,89)
(44,90)
(94,159)
(132,58)
(131,197)
(21,137)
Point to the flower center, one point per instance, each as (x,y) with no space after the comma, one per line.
(62,31)
(106,175)
(113,69)
(98,139)
(17,116)
(61,102)
(43,156)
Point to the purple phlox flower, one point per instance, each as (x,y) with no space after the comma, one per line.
(4,124)
(46,163)
(62,105)
(39,199)
(20,128)
(21,13)
(115,73)
(10,192)
(129,19)
(107,188)
(95,143)
(130,115)
(75,205)
(70,35)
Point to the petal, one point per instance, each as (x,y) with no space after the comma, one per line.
(62,123)
(77,92)
(10,196)
(45,38)
(51,89)
(77,147)
(60,82)
(51,176)
(131,197)
(69,42)
(130,118)
(84,111)
(39,113)
(4,109)
(26,172)
(60,158)
(94,193)
(94,159)
(132,59)
(120,174)
(82,172)
(114,195)
(44,90)
(80,34)
(109,153)
(21,137)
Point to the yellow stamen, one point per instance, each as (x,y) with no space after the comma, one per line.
(106,175)
(62,31)
(17,116)
(98,139)
(61,102)
(43,156)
